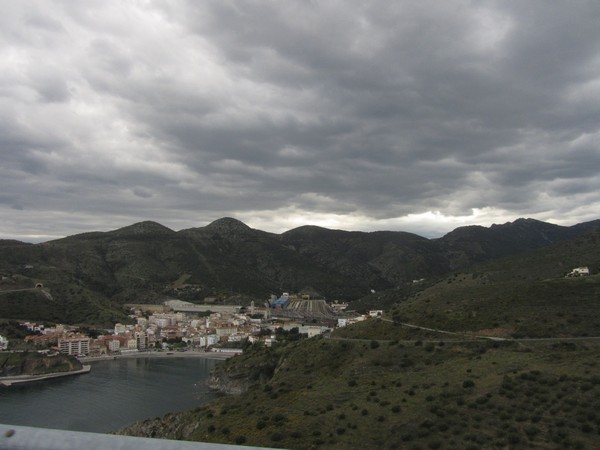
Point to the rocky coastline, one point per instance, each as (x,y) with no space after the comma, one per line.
(26,367)
(14,364)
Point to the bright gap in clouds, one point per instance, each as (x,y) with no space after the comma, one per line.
(430,224)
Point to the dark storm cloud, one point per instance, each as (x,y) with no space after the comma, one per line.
(408,115)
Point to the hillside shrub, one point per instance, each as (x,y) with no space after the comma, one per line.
(279,418)
(277,436)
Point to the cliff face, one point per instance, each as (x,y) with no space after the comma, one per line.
(33,363)
(254,366)
(229,384)
(172,426)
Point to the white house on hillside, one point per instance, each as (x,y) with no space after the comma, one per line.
(579,271)
(3,343)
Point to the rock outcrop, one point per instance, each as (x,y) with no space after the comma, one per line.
(229,384)
(171,426)
(33,363)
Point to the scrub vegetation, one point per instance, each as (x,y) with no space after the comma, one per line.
(509,359)
(326,393)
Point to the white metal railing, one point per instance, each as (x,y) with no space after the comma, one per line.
(14,437)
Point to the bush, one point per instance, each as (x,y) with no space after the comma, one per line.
(531,431)
(514,438)
(239,440)
(374,344)
(468,384)
(279,417)
(276,437)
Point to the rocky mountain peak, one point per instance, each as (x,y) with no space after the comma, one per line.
(143,228)
(227,224)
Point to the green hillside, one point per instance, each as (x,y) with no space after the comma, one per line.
(335,394)
(519,296)
(91,274)
(383,384)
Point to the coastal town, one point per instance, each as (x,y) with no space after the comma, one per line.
(177,325)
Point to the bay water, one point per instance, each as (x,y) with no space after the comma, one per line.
(114,394)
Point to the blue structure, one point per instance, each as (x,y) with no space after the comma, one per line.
(281,301)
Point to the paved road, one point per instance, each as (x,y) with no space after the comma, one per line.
(46,293)
(18,290)
(469,337)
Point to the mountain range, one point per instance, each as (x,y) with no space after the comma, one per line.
(87,277)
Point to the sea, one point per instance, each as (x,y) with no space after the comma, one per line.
(114,394)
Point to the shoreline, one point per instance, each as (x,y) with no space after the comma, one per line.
(154,354)
(23,379)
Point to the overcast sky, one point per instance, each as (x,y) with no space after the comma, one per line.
(417,115)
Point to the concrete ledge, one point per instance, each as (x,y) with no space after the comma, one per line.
(21,379)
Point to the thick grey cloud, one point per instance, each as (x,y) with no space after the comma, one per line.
(412,115)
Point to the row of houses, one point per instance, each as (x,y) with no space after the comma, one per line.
(160,328)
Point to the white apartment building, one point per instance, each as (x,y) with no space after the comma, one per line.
(206,341)
(226,331)
(141,339)
(75,345)
(166,320)
(114,345)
